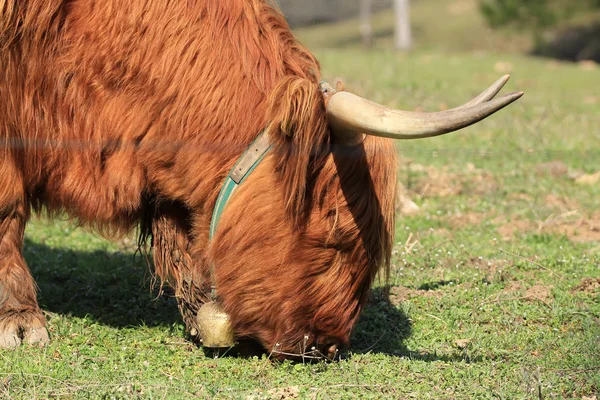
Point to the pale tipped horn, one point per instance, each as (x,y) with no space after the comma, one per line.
(487,94)
(351,116)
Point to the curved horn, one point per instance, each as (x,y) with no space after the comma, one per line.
(487,95)
(351,116)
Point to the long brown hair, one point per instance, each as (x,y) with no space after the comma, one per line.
(125,111)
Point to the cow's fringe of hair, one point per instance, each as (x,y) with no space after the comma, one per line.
(298,126)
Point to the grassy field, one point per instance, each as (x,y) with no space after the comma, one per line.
(495,289)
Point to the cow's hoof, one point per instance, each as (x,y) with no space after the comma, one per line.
(9,340)
(23,329)
(37,336)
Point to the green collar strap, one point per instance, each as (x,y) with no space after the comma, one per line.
(240,171)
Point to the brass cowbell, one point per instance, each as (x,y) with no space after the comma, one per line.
(214,326)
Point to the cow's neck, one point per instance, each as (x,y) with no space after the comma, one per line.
(244,166)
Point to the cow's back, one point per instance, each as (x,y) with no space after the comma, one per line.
(111,101)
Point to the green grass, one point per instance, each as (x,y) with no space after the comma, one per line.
(486,297)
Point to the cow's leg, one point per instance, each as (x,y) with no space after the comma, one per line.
(21,320)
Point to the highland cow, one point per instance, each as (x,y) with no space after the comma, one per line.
(126,113)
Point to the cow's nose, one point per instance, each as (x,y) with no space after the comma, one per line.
(330,350)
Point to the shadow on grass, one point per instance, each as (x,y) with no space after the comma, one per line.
(383,328)
(111,288)
(435,285)
(114,289)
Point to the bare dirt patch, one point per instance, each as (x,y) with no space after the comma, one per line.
(561,203)
(439,183)
(519,197)
(588,285)
(576,228)
(441,232)
(584,229)
(555,168)
(482,183)
(588,65)
(459,221)
(443,183)
(292,392)
(400,294)
(513,287)
(566,221)
(588,179)
(515,291)
(539,292)
(508,230)
(404,204)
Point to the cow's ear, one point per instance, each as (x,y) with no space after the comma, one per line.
(300,134)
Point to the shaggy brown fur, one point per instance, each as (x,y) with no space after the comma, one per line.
(120,112)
